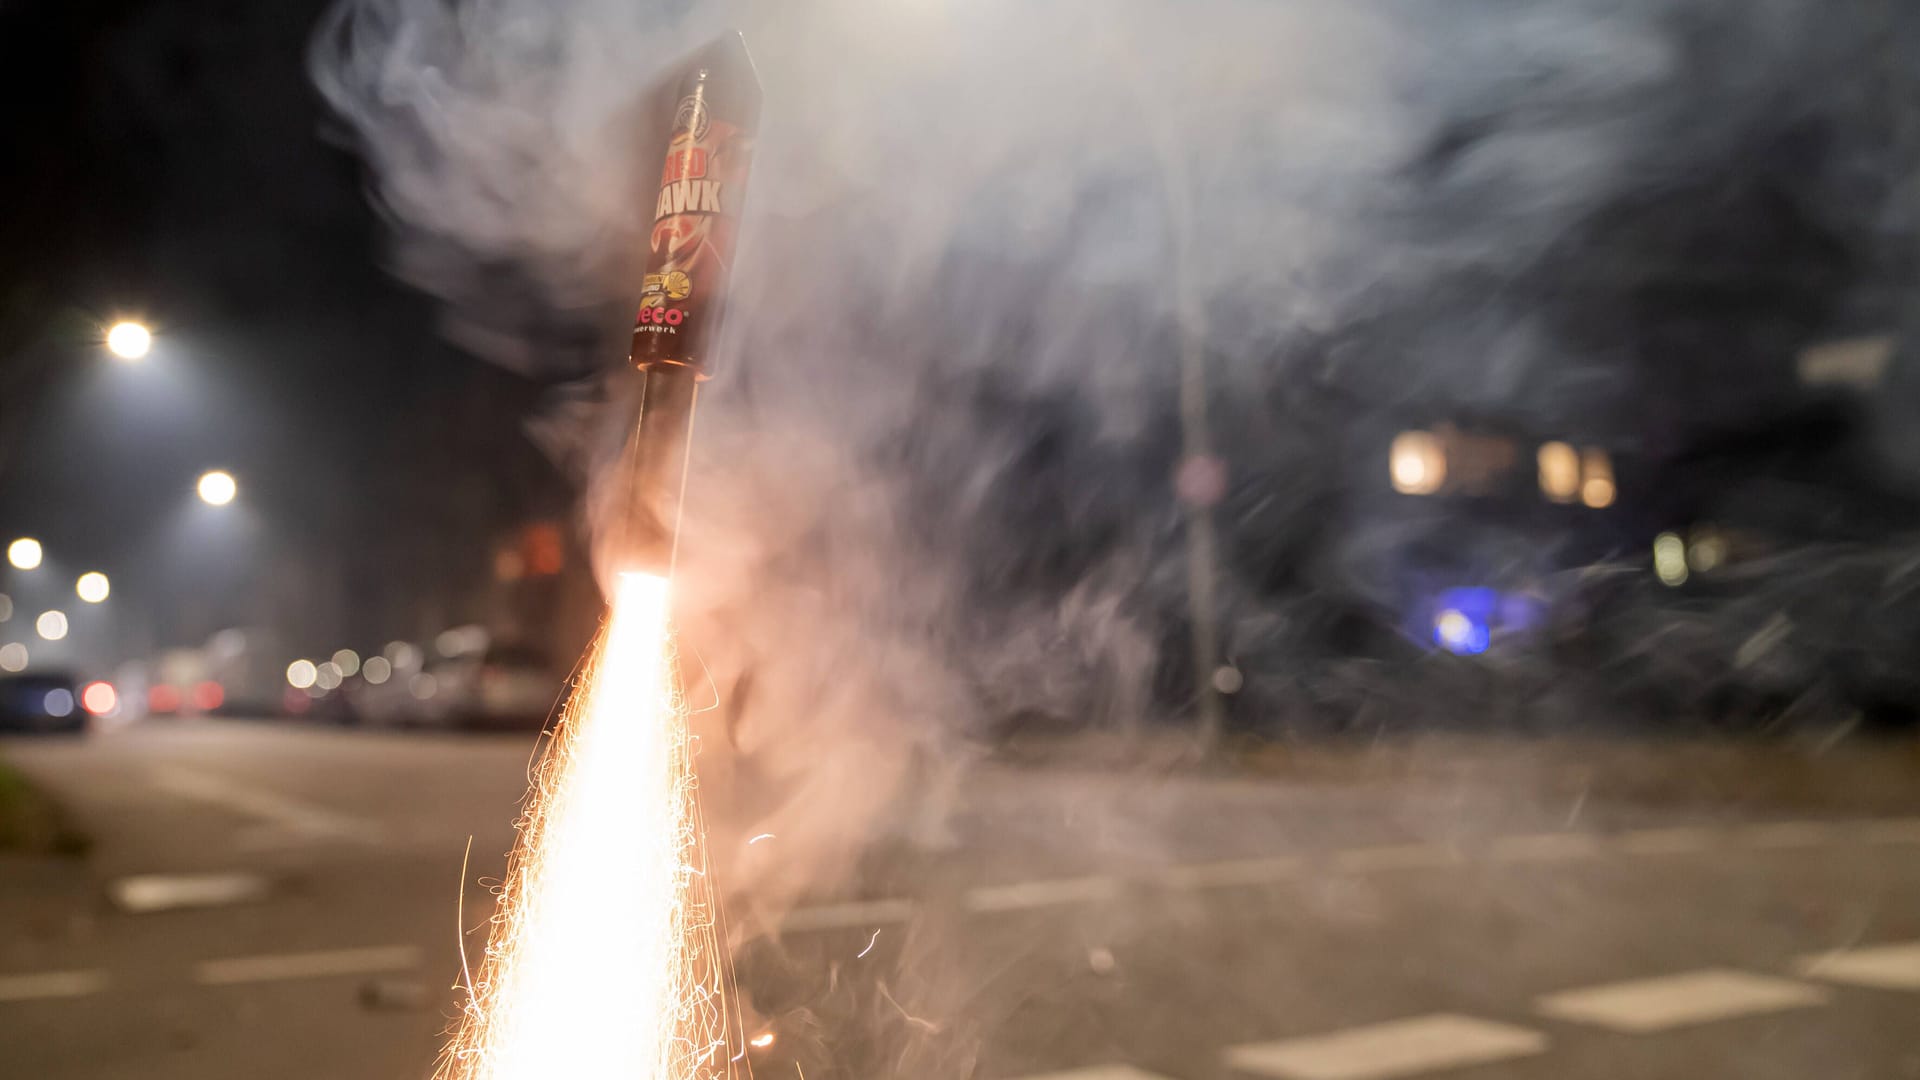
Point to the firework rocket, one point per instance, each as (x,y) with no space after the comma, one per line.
(696,219)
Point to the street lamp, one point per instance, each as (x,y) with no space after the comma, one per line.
(92,587)
(129,340)
(24,553)
(217,487)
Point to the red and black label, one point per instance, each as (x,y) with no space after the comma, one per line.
(696,214)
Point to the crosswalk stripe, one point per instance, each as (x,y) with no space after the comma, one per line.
(1884,967)
(1672,1001)
(1399,1048)
(313,965)
(43,985)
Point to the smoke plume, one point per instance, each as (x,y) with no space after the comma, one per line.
(987,241)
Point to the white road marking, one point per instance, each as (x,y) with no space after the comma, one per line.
(48,985)
(1398,1048)
(1032,894)
(252,969)
(264,805)
(1786,834)
(1543,847)
(1896,831)
(1258,871)
(1684,840)
(854,913)
(1672,1001)
(142,894)
(1884,967)
(1395,857)
(1101,1073)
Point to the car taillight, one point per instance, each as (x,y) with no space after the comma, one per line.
(98,698)
(208,696)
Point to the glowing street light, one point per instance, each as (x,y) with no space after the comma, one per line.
(129,340)
(51,625)
(92,587)
(217,487)
(301,674)
(24,553)
(1417,463)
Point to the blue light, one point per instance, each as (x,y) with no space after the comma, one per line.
(1458,632)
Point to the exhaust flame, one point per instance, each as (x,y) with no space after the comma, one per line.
(605,958)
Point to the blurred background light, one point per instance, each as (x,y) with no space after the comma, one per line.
(403,656)
(92,587)
(327,676)
(58,702)
(376,670)
(6,607)
(99,698)
(423,686)
(1418,463)
(208,695)
(13,657)
(163,698)
(129,340)
(1670,558)
(301,674)
(1707,552)
(217,487)
(1596,489)
(1559,471)
(347,661)
(51,625)
(24,553)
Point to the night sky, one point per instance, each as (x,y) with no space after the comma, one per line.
(170,161)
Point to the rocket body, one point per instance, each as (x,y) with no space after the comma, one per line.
(696,219)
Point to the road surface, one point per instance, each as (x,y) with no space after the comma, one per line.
(284,902)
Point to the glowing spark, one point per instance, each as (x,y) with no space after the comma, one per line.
(605,958)
(869,948)
(762,836)
(762,1040)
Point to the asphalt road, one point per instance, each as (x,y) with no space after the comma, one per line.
(1479,910)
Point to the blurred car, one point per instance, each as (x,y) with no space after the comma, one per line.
(504,686)
(41,703)
(500,686)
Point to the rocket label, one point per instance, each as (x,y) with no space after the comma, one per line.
(695,220)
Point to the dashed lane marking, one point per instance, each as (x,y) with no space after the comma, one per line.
(1034,894)
(1785,834)
(142,894)
(1230,872)
(264,805)
(253,969)
(46,985)
(1897,831)
(1683,840)
(1395,857)
(1099,1073)
(1399,1048)
(1883,967)
(1543,847)
(854,913)
(1672,1001)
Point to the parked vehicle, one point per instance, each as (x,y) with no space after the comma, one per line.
(42,703)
